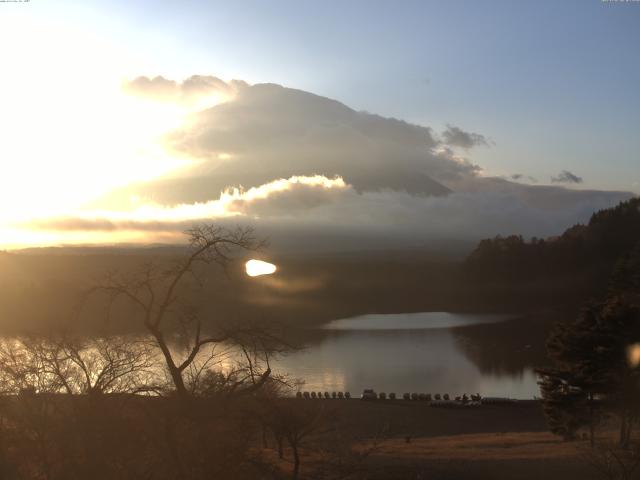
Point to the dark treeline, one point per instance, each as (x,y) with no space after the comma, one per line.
(552,278)
(564,270)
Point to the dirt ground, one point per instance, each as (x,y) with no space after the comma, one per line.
(410,440)
(521,455)
(418,419)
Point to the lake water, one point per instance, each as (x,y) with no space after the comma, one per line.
(402,353)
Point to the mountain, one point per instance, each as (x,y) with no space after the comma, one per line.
(402,185)
(269,132)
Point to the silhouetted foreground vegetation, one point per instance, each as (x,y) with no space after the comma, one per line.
(597,360)
(594,379)
(180,402)
(260,437)
(219,434)
(71,405)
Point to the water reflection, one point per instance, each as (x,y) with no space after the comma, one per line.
(401,353)
(412,321)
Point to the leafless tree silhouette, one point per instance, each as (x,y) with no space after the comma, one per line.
(160,297)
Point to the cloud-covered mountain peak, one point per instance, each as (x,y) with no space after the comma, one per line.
(399,180)
(267,131)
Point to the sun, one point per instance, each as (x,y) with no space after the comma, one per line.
(255,268)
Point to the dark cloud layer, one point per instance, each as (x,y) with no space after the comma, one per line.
(519,177)
(565,176)
(456,137)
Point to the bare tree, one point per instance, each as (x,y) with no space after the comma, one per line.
(247,366)
(74,365)
(612,462)
(53,398)
(294,425)
(160,298)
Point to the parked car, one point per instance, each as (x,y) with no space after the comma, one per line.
(369,394)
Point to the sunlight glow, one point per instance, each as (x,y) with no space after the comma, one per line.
(255,268)
(633,354)
(145,220)
(71,137)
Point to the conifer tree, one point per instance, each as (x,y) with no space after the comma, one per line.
(594,366)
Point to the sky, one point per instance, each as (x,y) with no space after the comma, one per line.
(550,85)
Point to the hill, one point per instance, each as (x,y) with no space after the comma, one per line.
(568,268)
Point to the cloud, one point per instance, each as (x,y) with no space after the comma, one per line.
(188,92)
(456,137)
(516,177)
(268,131)
(301,166)
(283,196)
(310,209)
(286,197)
(565,176)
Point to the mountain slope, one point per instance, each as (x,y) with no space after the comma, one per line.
(575,265)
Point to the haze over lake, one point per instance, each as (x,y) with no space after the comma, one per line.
(400,353)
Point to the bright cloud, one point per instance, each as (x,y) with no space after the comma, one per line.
(332,206)
(196,92)
(234,202)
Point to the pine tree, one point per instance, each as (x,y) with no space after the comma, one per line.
(572,391)
(563,406)
(592,372)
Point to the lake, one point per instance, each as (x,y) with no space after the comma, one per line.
(418,352)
